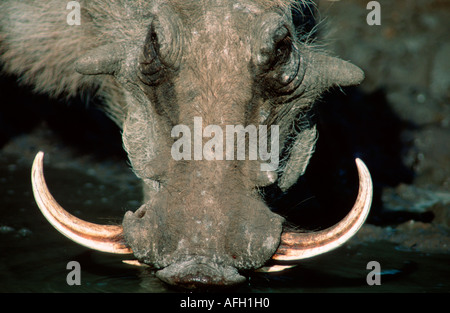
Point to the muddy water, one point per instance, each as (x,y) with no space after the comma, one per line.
(34,256)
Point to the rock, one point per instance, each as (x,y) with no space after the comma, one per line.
(409,236)
(440,78)
(413,199)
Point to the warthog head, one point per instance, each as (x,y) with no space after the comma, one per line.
(206,66)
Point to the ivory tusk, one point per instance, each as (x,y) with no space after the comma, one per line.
(107,238)
(297,246)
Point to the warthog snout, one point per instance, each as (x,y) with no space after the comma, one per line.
(198,217)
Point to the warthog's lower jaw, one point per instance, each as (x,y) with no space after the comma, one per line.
(193,274)
(293,246)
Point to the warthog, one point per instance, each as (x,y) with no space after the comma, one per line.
(164,63)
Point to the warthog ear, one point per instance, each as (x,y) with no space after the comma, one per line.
(102,60)
(337,72)
(322,72)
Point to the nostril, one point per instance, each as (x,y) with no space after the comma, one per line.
(140,214)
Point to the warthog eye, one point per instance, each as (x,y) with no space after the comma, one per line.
(276,56)
(284,66)
(150,66)
(283,50)
(162,49)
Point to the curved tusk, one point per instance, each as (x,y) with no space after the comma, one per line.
(297,246)
(107,238)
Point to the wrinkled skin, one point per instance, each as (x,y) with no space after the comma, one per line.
(207,212)
(231,63)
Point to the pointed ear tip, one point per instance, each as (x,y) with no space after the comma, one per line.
(359,75)
(341,73)
(352,76)
(80,66)
(86,65)
(100,60)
